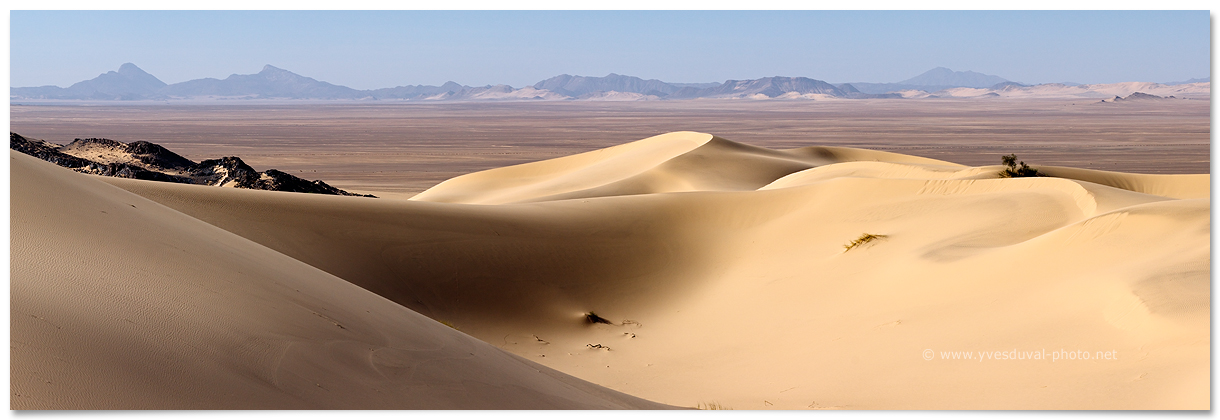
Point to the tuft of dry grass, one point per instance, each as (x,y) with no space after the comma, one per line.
(863,239)
(450,325)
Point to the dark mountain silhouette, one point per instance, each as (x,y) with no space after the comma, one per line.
(847,88)
(939,78)
(129,82)
(579,85)
(132,83)
(416,91)
(1186,82)
(689,92)
(150,161)
(772,87)
(696,85)
(271,82)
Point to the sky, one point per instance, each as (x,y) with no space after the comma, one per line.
(375,49)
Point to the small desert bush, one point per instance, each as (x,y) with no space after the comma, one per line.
(449,324)
(1016,170)
(863,239)
(712,406)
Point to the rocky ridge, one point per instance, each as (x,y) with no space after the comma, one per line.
(150,161)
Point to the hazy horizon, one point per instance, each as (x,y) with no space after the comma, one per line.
(369,50)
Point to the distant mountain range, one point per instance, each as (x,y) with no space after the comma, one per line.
(1187,82)
(132,83)
(939,78)
(129,83)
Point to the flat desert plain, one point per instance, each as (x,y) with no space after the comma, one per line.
(788,255)
(401,149)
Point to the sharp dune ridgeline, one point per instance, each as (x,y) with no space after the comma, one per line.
(681,270)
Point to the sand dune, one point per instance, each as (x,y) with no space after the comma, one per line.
(674,162)
(1172,186)
(722,271)
(121,303)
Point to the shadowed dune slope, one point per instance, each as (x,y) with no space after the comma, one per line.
(118,302)
(749,299)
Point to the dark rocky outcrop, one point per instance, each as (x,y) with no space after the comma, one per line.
(45,151)
(155,155)
(1138,97)
(1141,96)
(279,181)
(123,170)
(150,161)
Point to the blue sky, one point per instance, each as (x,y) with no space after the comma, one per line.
(367,50)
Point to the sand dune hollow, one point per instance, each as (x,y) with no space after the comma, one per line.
(718,268)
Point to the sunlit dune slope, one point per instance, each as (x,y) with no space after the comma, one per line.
(738,290)
(682,161)
(118,302)
(1173,186)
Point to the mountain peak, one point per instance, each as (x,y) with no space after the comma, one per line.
(129,82)
(138,75)
(943,76)
(278,75)
(575,86)
(129,68)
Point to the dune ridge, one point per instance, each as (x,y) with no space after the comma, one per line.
(722,273)
(672,162)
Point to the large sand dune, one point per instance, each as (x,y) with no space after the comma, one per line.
(674,162)
(121,303)
(722,272)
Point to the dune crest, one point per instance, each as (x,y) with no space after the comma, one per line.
(673,162)
(565,174)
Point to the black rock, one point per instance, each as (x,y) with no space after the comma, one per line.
(44,151)
(150,161)
(282,181)
(123,170)
(155,155)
